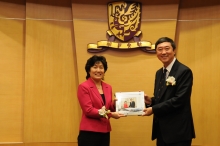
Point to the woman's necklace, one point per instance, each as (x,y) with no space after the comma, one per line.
(99,87)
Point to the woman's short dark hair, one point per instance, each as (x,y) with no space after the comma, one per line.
(92,61)
(165,39)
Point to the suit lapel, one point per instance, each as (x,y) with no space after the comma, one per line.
(172,73)
(158,78)
(163,89)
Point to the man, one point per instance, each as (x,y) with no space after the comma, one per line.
(172,122)
(132,103)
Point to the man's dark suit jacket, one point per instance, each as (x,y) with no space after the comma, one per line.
(173,110)
(132,104)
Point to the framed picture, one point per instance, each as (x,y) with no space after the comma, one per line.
(130,103)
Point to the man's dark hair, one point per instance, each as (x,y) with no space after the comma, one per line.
(165,39)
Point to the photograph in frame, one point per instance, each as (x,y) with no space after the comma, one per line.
(130,103)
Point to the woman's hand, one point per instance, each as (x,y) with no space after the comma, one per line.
(114,102)
(117,115)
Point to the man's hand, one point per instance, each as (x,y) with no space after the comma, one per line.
(147,99)
(147,111)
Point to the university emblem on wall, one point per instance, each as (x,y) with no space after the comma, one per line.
(124,20)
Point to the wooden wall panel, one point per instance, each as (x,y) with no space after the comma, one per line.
(40,144)
(198,41)
(161,27)
(50,111)
(14,9)
(51,107)
(50,9)
(86,11)
(41,70)
(129,70)
(12,26)
(51,144)
(159,11)
(144,2)
(11,80)
(12,144)
(195,10)
(200,53)
(150,10)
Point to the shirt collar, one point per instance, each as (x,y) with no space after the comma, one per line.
(170,65)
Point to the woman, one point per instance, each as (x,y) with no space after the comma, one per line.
(125,104)
(95,96)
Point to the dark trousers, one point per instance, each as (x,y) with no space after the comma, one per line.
(88,138)
(160,141)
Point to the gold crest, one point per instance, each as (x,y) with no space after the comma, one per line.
(124,19)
